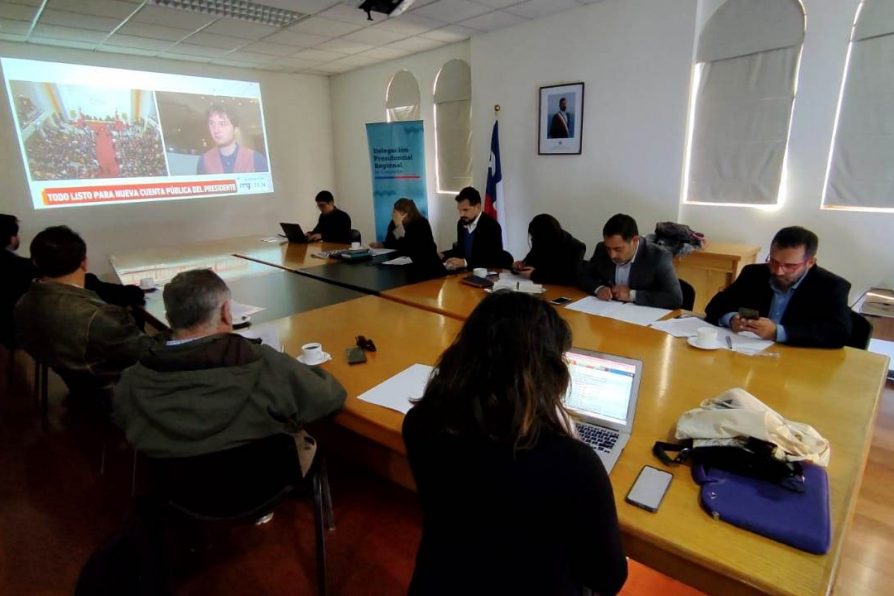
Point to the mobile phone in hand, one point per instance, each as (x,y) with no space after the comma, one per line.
(749,313)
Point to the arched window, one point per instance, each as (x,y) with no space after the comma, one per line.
(453,126)
(744,81)
(859,173)
(402,97)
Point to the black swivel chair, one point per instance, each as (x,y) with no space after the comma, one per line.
(355,235)
(861,331)
(688,295)
(243,484)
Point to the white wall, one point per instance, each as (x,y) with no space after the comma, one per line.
(358,97)
(856,245)
(634,57)
(299,125)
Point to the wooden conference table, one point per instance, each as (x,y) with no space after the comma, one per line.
(836,391)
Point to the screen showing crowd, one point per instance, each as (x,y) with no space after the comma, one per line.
(92,135)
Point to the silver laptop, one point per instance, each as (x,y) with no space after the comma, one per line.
(602,400)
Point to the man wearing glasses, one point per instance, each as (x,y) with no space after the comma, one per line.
(789,299)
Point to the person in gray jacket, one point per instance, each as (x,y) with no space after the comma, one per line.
(628,268)
(202,389)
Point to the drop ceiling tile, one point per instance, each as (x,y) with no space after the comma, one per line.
(453,11)
(315,72)
(211,40)
(500,3)
(97,8)
(64,43)
(71,33)
(304,6)
(416,44)
(356,60)
(293,62)
(236,63)
(172,17)
(25,2)
(126,50)
(324,26)
(317,55)
(153,31)
(244,29)
(375,36)
(185,57)
(251,57)
(348,14)
(12,36)
(493,21)
(333,68)
(387,53)
(17,12)
(410,24)
(344,47)
(70,19)
(271,49)
(135,42)
(534,9)
(292,38)
(194,50)
(450,34)
(9,27)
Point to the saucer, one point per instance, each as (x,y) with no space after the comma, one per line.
(692,341)
(326,358)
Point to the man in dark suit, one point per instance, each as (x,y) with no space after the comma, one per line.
(479,237)
(798,302)
(17,273)
(629,268)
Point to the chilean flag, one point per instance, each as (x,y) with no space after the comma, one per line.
(493,194)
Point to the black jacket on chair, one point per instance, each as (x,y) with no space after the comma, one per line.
(487,244)
(817,315)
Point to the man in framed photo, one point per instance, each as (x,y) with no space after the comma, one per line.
(560,126)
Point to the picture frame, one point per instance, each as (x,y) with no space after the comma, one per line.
(560,125)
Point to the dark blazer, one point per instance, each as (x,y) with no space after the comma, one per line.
(418,243)
(538,521)
(487,244)
(17,273)
(817,315)
(557,264)
(652,275)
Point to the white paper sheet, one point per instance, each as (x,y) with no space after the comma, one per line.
(525,286)
(594,306)
(683,327)
(396,392)
(275,239)
(268,335)
(399,261)
(622,311)
(885,348)
(243,312)
(744,343)
(380,251)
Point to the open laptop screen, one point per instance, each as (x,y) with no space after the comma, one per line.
(603,387)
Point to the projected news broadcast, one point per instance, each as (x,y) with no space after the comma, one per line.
(93,136)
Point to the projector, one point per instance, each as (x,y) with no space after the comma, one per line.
(391,8)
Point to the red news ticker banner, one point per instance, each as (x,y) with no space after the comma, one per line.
(135,192)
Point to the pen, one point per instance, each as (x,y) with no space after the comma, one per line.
(729,342)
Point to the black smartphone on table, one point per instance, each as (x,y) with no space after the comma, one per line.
(560,300)
(649,488)
(355,355)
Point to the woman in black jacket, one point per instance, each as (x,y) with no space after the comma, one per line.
(555,255)
(410,234)
(512,503)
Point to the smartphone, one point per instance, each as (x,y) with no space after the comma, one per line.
(355,355)
(749,313)
(649,488)
(560,300)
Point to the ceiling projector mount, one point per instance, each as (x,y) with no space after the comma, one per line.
(392,8)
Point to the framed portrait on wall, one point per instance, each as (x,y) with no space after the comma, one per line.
(561,119)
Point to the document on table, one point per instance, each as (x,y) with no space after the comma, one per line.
(885,348)
(268,335)
(682,327)
(243,312)
(621,311)
(275,239)
(381,251)
(399,261)
(744,343)
(396,392)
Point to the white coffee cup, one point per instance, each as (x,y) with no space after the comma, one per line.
(479,272)
(706,336)
(312,353)
(147,283)
(355,245)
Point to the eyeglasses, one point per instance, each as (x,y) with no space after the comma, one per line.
(788,267)
(365,344)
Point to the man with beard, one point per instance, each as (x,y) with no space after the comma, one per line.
(628,268)
(479,237)
(795,301)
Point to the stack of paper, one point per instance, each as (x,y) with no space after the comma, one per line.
(525,285)
(622,311)
(399,261)
(682,327)
(396,392)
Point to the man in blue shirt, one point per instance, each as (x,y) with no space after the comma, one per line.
(797,302)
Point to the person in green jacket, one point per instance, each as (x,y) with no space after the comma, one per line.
(202,388)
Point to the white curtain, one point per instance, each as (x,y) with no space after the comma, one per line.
(861,172)
(402,97)
(748,58)
(453,126)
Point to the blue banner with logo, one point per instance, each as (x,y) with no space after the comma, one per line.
(397,163)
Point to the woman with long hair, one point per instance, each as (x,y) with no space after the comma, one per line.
(555,255)
(512,502)
(410,234)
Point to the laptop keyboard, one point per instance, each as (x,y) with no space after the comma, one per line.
(597,437)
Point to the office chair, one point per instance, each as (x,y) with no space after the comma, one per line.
(861,331)
(243,484)
(355,235)
(688,295)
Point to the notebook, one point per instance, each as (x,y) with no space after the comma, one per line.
(293,232)
(602,400)
(478,282)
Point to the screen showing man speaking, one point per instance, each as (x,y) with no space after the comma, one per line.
(91,135)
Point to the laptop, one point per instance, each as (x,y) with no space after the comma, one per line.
(602,400)
(293,232)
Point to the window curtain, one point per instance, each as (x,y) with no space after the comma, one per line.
(402,98)
(453,126)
